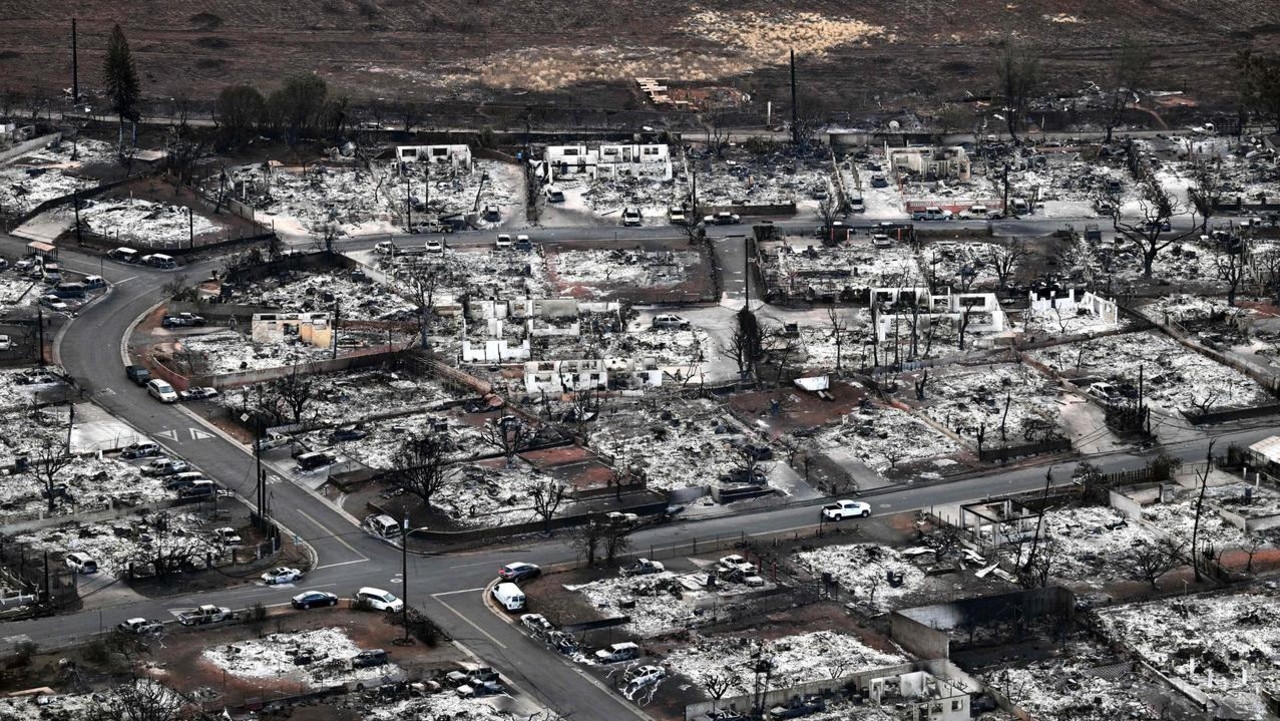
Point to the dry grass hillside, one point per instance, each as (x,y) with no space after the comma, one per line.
(485,50)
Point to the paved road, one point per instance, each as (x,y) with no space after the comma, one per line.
(447,586)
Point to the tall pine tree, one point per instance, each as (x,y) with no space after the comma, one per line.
(121,78)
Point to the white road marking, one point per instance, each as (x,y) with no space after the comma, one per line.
(469,621)
(170,434)
(340,563)
(454,593)
(335,536)
(198,435)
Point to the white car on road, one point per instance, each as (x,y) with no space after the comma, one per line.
(845,509)
(281,575)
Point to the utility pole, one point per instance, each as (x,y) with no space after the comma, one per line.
(75,65)
(75,199)
(404,570)
(337,311)
(191,229)
(40,330)
(795,108)
(408,206)
(71,423)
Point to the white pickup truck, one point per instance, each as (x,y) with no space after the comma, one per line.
(205,614)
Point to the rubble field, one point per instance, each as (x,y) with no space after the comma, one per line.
(1175,377)
(861,569)
(681,447)
(1083,681)
(635,274)
(49,173)
(1223,645)
(883,438)
(274,657)
(367,200)
(228,351)
(351,397)
(322,292)
(141,222)
(820,655)
(796,265)
(91,483)
(741,177)
(1095,545)
(144,536)
(664,602)
(964,400)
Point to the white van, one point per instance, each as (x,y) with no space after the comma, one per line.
(162,391)
(123,254)
(510,596)
(81,562)
(160,260)
(383,526)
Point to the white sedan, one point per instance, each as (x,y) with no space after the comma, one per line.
(281,575)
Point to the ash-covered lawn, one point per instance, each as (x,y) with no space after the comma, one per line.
(1225,645)
(820,655)
(272,657)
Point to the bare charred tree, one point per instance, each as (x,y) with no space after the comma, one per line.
(617,538)
(1008,259)
(920,384)
(746,344)
(585,406)
(586,540)
(44,466)
(1260,85)
(717,684)
(1205,191)
(1230,264)
(1147,231)
(1019,76)
(1034,571)
(839,334)
(422,467)
(510,435)
(1203,476)
(980,435)
(139,700)
(168,554)
(423,283)
(716,132)
(1127,73)
(547,498)
(294,393)
(1149,561)
(1253,543)
(964,325)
